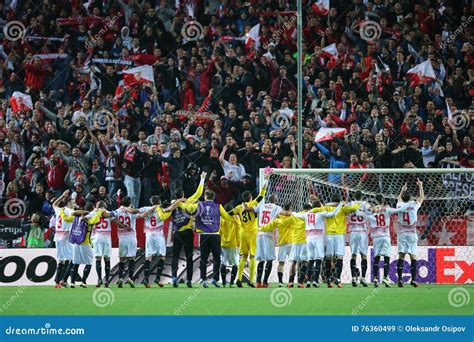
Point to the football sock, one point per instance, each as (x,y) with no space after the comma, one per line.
(120,269)
(363,265)
(223,274)
(131,268)
(260,271)
(74,273)
(233,274)
(338,269)
(252,268)
(376,267)
(413,270)
(386,266)
(146,269)
(268,270)
(68,269)
(302,273)
(353,268)
(317,270)
(87,271)
(310,270)
(98,268)
(107,270)
(328,270)
(159,269)
(280,277)
(400,269)
(59,271)
(241,268)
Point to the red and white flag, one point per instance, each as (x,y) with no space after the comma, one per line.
(330,52)
(139,75)
(321,7)
(326,133)
(21,102)
(253,37)
(421,73)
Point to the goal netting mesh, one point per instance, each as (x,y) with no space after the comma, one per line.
(445,220)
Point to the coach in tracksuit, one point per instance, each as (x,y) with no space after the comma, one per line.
(208,218)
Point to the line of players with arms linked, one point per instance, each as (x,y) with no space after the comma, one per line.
(313,240)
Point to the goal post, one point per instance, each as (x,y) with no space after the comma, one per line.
(445,220)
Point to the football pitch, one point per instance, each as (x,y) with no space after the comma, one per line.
(425,300)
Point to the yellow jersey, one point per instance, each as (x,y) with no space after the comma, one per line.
(298,233)
(178,212)
(284,225)
(249,220)
(230,232)
(336,225)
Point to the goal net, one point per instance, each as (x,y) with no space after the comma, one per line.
(445,220)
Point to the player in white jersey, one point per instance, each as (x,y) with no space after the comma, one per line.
(265,251)
(315,227)
(127,240)
(378,219)
(407,239)
(358,239)
(155,243)
(101,239)
(64,217)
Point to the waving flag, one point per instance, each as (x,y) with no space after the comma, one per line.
(321,7)
(21,102)
(253,37)
(139,75)
(330,52)
(421,73)
(325,133)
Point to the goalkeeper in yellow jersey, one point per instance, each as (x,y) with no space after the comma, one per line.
(335,236)
(284,226)
(230,242)
(248,235)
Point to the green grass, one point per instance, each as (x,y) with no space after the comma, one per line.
(425,300)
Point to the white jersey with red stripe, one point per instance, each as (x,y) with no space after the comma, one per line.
(153,222)
(408,216)
(379,222)
(356,221)
(127,219)
(267,212)
(102,230)
(315,223)
(62,228)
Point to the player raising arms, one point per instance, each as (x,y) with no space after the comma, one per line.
(407,239)
(248,237)
(230,242)
(155,239)
(102,241)
(358,239)
(335,236)
(315,227)
(379,224)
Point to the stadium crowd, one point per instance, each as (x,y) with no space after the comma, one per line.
(225,103)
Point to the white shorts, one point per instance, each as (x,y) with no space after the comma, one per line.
(382,246)
(284,252)
(359,243)
(315,248)
(63,250)
(102,247)
(407,243)
(155,244)
(127,247)
(335,245)
(299,252)
(82,254)
(230,256)
(265,247)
